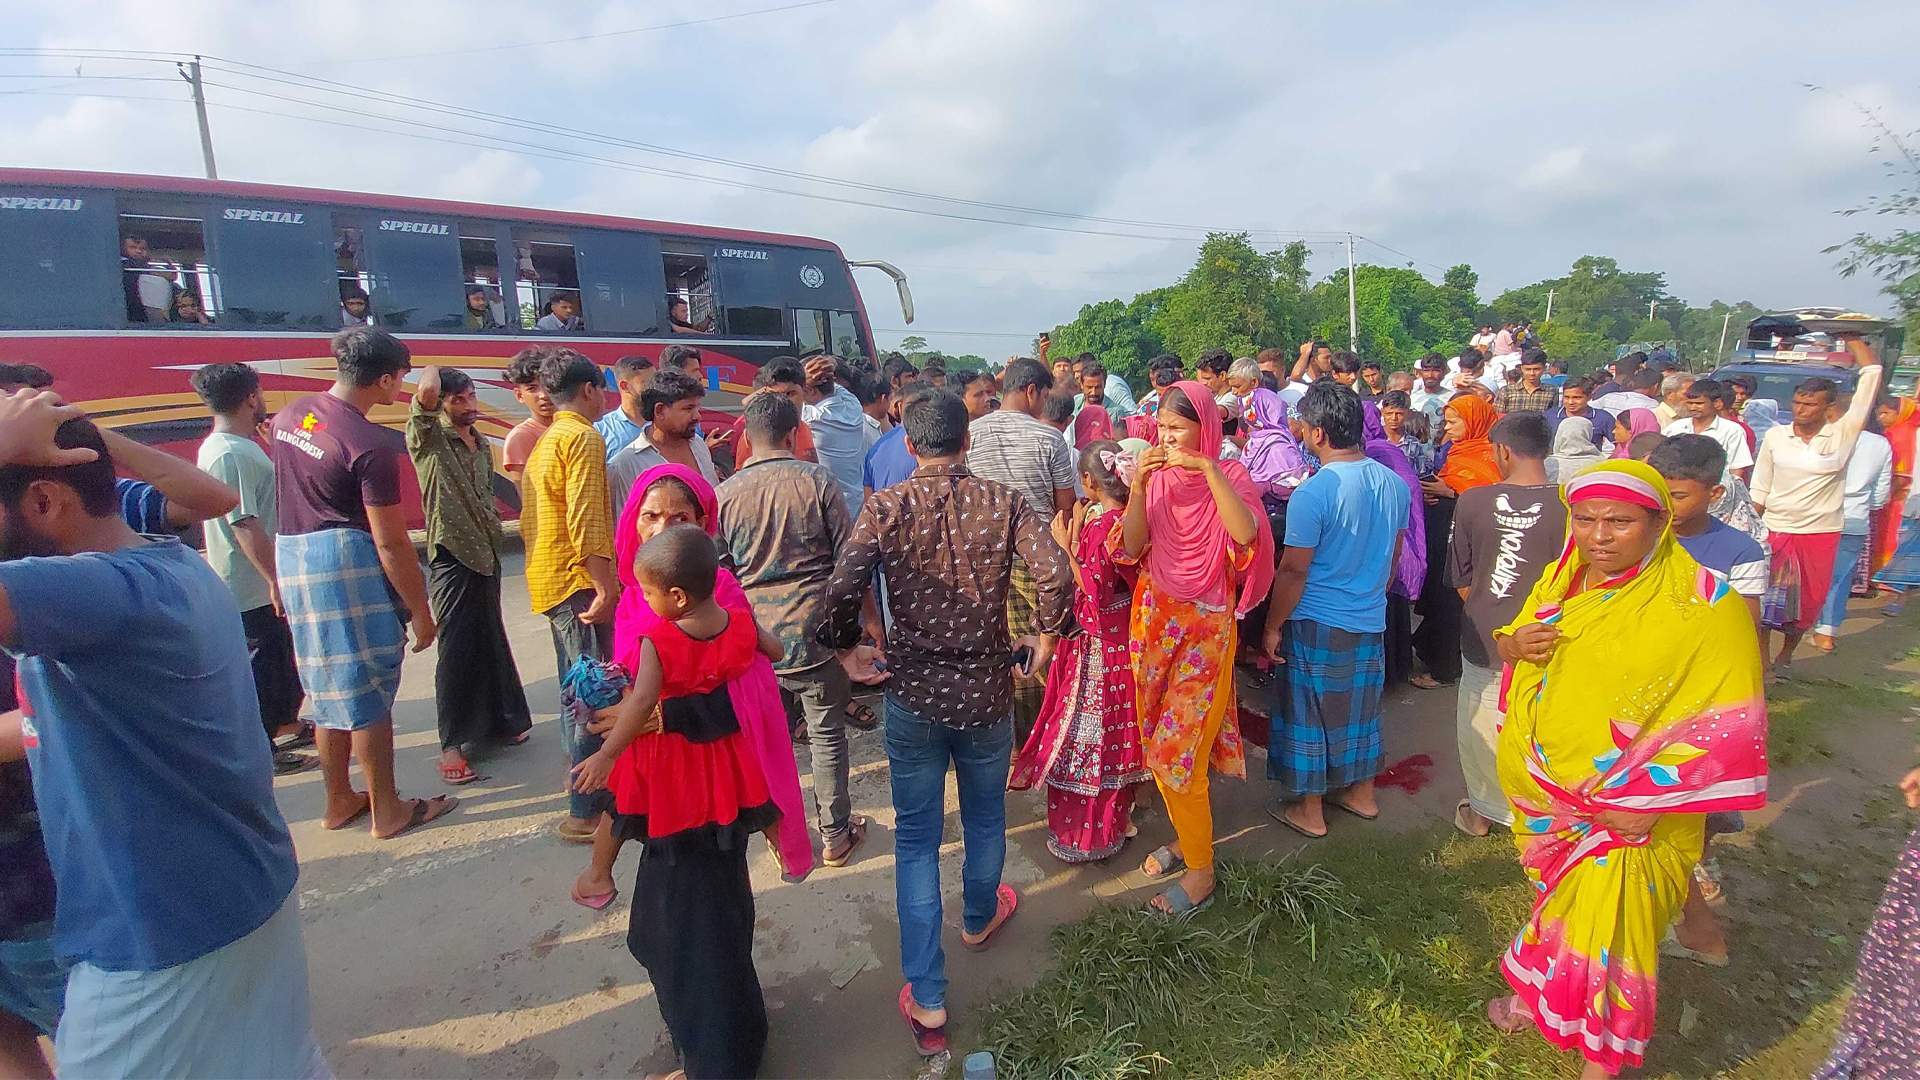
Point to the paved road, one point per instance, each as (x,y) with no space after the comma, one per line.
(455,951)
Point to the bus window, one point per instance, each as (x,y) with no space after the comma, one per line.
(547,282)
(750,293)
(164,273)
(480,271)
(415,263)
(689,289)
(56,267)
(353,280)
(620,279)
(273,260)
(846,336)
(810,330)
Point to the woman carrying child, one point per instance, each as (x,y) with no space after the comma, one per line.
(690,789)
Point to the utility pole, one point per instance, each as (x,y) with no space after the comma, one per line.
(1549,317)
(1650,304)
(1722,349)
(191,73)
(1353,318)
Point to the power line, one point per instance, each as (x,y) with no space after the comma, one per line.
(568,40)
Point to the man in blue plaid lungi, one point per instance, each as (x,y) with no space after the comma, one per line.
(349,577)
(1344,529)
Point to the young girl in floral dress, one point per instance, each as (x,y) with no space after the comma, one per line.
(1086,745)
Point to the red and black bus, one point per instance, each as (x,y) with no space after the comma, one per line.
(122,286)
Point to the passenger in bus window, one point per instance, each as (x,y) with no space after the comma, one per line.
(677,315)
(149,290)
(187,309)
(563,314)
(479,314)
(354,307)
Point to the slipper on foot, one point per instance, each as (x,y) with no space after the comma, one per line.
(1338,805)
(366,805)
(424,811)
(1277,810)
(1007,902)
(1670,946)
(928,1040)
(1180,905)
(1169,863)
(595,903)
(856,832)
(460,776)
(1460,820)
(572,833)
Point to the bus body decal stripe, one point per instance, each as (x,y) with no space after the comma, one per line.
(324,335)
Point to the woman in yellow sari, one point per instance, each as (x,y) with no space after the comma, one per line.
(1634,707)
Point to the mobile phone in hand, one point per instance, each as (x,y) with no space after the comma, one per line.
(1022,656)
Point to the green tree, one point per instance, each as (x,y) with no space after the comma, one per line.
(1402,314)
(913,343)
(1224,301)
(1893,258)
(1115,331)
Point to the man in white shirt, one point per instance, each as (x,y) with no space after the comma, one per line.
(1799,487)
(1703,418)
(1636,395)
(1483,340)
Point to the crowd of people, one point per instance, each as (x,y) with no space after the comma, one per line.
(1053,583)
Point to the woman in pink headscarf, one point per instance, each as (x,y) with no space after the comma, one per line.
(1090,425)
(664,496)
(1195,528)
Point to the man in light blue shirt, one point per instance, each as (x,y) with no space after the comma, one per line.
(623,425)
(839,426)
(1429,395)
(1329,595)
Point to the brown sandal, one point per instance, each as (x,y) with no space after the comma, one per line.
(856,833)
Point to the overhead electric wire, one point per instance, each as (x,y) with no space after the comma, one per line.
(569,40)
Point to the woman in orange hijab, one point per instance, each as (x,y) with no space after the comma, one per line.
(1901,420)
(1469,453)
(1468,464)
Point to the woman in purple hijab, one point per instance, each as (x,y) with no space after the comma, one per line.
(1410,572)
(1272,457)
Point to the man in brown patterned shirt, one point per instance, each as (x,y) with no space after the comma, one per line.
(946,540)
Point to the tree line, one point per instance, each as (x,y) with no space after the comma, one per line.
(1238,298)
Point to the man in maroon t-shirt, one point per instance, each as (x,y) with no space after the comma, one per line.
(349,576)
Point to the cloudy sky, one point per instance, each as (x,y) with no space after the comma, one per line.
(1675,136)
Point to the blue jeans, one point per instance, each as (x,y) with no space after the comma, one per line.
(917,754)
(1845,558)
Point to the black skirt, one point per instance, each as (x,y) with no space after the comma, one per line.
(1437,641)
(691,927)
(476,685)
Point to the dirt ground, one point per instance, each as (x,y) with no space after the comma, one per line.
(455,951)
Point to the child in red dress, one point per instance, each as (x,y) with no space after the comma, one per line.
(686,785)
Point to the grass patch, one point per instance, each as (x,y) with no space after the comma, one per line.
(1376,961)
(1802,712)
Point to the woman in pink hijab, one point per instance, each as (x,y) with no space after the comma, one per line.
(664,496)
(1092,424)
(1195,527)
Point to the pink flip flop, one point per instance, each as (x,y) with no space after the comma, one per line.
(595,903)
(1009,902)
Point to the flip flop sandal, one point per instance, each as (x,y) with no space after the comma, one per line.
(1277,810)
(572,835)
(366,807)
(424,811)
(595,903)
(1460,819)
(1344,808)
(1008,902)
(928,1040)
(861,717)
(1181,904)
(1670,946)
(460,776)
(1169,865)
(287,763)
(518,739)
(1430,683)
(1502,1015)
(856,833)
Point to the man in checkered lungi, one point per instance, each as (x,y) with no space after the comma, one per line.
(1343,534)
(349,577)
